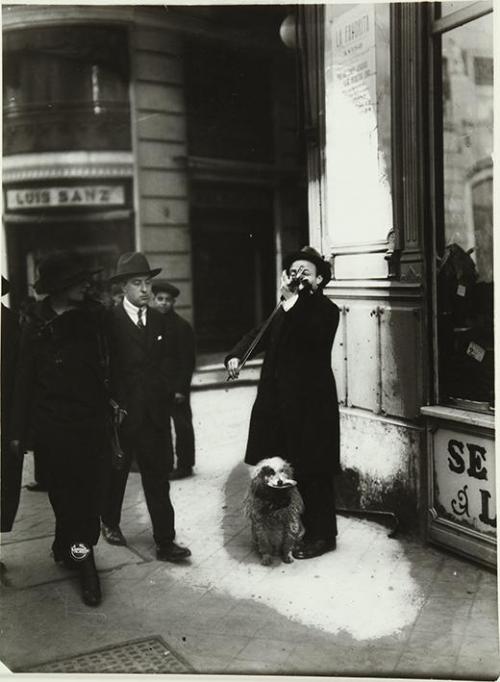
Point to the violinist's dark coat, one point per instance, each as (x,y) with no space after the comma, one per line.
(295,414)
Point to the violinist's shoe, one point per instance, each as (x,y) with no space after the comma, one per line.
(310,550)
(181,472)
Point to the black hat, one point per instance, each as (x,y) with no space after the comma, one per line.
(307,253)
(163,285)
(62,270)
(133,264)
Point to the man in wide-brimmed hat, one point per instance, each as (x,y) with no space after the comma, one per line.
(295,415)
(60,397)
(143,380)
(164,297)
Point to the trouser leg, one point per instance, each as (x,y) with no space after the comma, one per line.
(182,417)
(319,518)
(11,475)
(151,450)
(73,470)
(114,483)
(40,462)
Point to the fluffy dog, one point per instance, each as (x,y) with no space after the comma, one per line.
(274,506)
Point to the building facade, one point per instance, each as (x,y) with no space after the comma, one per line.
(169,131)
(194,135)
(400,195)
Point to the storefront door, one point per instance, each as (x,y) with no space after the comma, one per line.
(99,240)
(462,504)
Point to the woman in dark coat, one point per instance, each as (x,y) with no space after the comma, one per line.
(61,398)
(295,414)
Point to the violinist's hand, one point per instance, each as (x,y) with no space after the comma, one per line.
(15,449)
(233,367)
(285,290)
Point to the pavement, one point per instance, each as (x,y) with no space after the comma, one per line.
(377,606)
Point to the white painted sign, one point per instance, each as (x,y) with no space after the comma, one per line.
(464,480)
(358,187)
(50,197)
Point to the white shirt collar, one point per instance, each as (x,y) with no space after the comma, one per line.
(133,311)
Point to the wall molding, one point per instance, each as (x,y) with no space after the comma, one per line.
(66,165)
(20,17)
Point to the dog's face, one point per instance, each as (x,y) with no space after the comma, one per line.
(274,472)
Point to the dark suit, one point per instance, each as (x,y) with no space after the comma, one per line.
(142,382)
(295,414)
(182,415)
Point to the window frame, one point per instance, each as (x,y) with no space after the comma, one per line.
(437,25)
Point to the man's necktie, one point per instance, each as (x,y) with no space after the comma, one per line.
(140,321)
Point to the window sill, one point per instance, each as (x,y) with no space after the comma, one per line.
(457,415)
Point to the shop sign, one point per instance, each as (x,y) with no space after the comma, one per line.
(464,480)
(57,197)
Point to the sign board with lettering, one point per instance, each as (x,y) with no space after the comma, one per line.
(463,490)
(464,480)
(65,197)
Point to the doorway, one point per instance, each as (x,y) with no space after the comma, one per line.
(100,240)
(233,263)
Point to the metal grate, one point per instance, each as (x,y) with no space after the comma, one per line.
(151,655)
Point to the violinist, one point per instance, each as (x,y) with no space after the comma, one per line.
(295,415)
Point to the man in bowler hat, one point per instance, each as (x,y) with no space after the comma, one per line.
(295,415)
(143,380)
(60,397)
(164,297)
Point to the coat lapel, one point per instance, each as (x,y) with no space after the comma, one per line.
(127,327)
(153,328)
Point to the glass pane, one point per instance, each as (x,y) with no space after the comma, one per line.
(358,122)
(465,280)
(54,76)
(449,7)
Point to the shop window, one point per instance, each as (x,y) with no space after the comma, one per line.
(358,122)
(483,71)
(465,362)
(66,88)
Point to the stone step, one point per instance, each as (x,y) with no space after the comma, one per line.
(215,376)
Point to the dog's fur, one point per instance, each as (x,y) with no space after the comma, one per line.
(274,506)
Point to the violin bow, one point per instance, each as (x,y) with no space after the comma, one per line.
(261,333)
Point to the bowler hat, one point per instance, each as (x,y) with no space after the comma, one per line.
(62,270)
(133,264)
(163,285)
(310,254)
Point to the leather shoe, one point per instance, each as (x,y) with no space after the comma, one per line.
(172,552)
(36,487)
(309,550)
(62,557)
(89,581)
(113,535)
(183,472)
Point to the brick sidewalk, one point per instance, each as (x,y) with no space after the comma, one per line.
(376,606)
